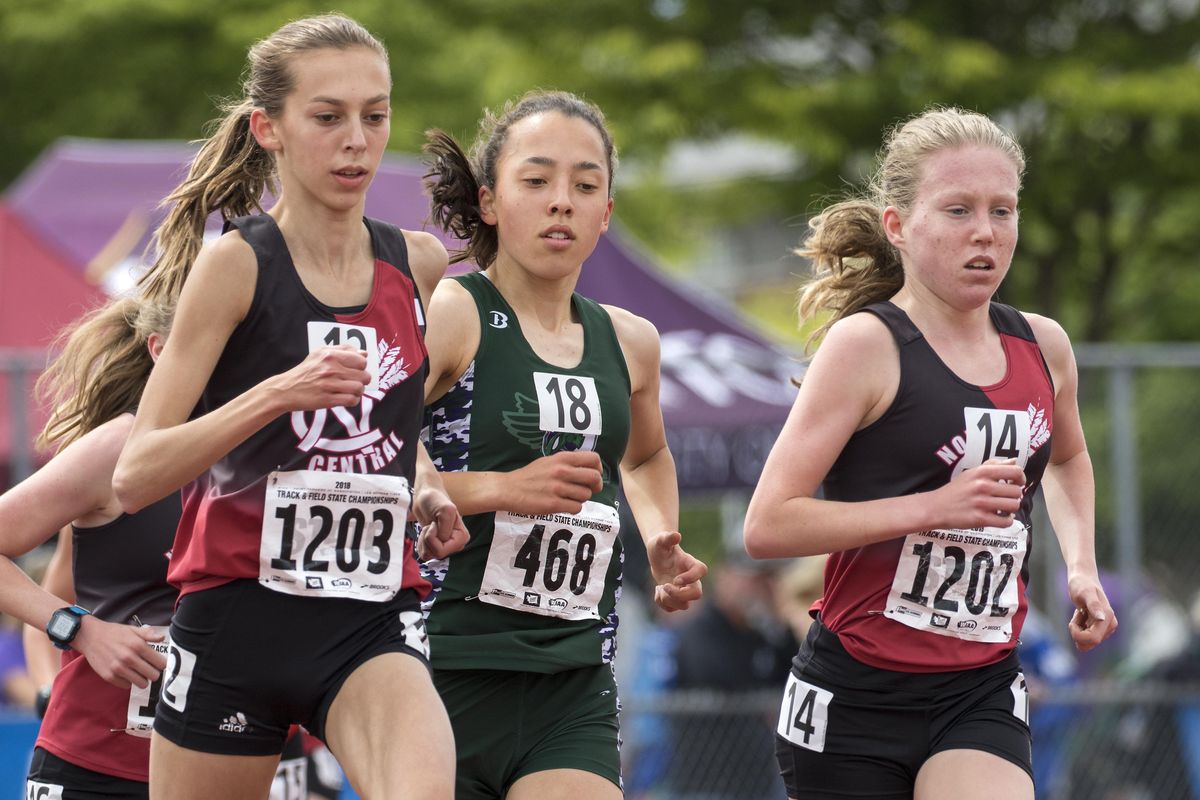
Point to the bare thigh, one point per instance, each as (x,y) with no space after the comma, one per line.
(389,730)
(971,775)
(563,784)
(177,773)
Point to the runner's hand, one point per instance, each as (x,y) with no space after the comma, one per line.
(120,654)
(555,484)
(986,496)
(327,377)
(442,528)
(1094,619)
(676,573)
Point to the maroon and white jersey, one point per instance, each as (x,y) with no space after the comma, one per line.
(91,724)
(314,503)
(943,599)
(121,576)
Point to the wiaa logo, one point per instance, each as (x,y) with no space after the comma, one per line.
(967,625)
(236,723)
(556,604)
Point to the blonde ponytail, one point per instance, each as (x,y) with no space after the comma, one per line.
(101,368)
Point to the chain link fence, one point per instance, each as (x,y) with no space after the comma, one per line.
(701,745)
(1123,723)
(1093,740)
(1119,730)
(1139,405)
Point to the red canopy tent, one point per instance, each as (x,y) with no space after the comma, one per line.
(40,292)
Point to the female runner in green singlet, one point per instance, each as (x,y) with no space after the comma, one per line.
(542,404)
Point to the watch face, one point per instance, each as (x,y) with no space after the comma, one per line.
(62,625)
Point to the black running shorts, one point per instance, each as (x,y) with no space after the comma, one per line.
(847,729)
(246,662)
(53,778)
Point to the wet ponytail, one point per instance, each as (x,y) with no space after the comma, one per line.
(853,263)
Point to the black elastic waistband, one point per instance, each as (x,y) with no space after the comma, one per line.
(822,654)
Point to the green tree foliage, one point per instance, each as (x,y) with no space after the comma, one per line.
(1103,93)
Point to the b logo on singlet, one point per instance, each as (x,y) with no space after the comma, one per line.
(499,320)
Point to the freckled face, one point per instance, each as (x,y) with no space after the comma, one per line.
(550,202)
(331,133)
(958,239)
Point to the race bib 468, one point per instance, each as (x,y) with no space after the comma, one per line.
(553,565)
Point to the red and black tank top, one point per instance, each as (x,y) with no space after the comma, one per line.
(223,510)
(121,577)
(940,600)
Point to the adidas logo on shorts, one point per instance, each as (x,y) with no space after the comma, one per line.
(235,723)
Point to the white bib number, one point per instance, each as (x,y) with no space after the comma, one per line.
(334,534)
(964,583)
(35,790)
(804,714)
(139,718)
(994,433)
(322,333)
(291,780)
(567,403)
(177,677)
(961,583)
(554,564)
(1020,693)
